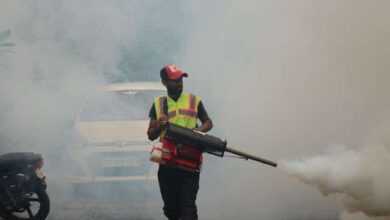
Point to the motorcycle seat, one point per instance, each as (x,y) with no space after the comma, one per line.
(17,159)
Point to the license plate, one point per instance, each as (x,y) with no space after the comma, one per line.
(120,162)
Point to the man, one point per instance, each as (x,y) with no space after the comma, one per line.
(178,187)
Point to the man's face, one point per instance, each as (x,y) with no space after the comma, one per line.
(174,87)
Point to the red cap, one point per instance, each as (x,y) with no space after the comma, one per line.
(171,71)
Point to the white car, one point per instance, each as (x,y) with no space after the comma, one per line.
(113,125)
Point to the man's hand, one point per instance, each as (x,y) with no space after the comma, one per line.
(155,127)
(206,126)
(162,121)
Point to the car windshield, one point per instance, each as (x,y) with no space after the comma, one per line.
(119,105)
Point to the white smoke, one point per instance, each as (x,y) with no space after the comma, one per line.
(285,79)
(360,216)
(63,51)
(359,178)
(279,79)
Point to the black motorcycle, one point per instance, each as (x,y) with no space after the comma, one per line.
(22,187)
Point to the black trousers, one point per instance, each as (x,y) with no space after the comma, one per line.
(178,190)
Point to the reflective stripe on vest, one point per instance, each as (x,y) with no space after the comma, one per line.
(171,114)
(189,113)
(159,106)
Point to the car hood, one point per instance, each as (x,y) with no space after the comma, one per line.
(111,131)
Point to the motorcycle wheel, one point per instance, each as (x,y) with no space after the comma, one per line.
(39,207)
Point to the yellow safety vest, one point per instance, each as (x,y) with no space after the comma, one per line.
(183,112)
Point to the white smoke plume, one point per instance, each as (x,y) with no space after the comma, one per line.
(280,79)
(358,178)
(64,51)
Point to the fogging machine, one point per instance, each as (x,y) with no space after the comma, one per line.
(207,143)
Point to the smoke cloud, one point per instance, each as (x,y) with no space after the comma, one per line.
(359,178)
(285,80)
(280,79)
(63,52)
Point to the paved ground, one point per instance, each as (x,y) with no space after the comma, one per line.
(120,209)
(113,210)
